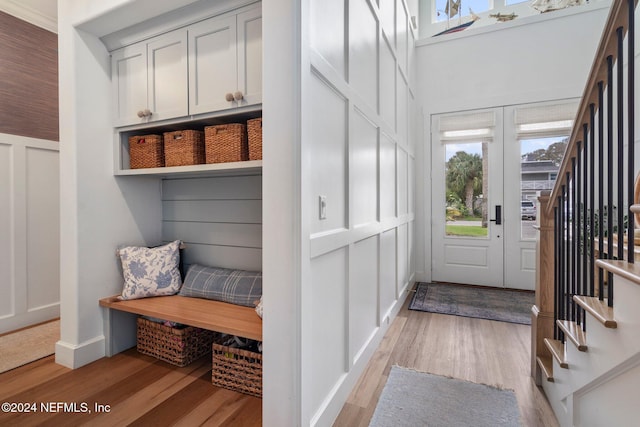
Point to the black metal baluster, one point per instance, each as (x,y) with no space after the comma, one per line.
(567,228)
(620,134)
(586,242)
(600,186)
(630,128)
(609,171)
(592,201)
(579,248)
(556,271)
(571,221)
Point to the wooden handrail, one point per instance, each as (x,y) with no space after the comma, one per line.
(618,18)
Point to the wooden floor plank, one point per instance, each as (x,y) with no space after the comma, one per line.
(141,390)
(478,350)
(138,389)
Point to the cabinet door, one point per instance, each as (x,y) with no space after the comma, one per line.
(212,64)
(250,56)
(167,76)
(129,82)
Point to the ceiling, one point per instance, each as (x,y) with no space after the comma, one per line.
(43,13)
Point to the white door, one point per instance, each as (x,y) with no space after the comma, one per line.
(520,148)
(467,204)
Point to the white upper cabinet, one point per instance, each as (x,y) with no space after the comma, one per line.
(250,56)
(149,80)
(213,65)
(225,62)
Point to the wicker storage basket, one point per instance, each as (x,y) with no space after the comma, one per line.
(176,346)
(226,143)
(254,134)
(145,151)
(236,369)
(183,148)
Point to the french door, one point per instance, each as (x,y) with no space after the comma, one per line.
(486,170)
(467,199)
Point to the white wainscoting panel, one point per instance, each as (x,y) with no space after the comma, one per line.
(29,232)
(364,170)
(328,156)
(363,295)
(326,362)
(388,274)
(357,119)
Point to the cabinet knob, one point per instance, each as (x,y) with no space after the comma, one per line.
(238,96)
(141,114)
(229,97)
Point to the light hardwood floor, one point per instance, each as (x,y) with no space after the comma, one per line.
(142,391)
(139,390)
(482,351)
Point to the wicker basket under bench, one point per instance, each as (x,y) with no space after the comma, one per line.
(213,316)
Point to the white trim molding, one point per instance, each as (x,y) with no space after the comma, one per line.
(31,14)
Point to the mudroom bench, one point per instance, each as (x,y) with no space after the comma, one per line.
(202,313)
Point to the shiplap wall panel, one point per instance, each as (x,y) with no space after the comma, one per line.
(221,188)
(223,256)
(233,211)
(218,218)
(221,234)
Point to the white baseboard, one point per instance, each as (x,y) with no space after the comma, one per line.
(76,355)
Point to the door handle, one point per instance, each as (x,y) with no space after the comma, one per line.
(498,219)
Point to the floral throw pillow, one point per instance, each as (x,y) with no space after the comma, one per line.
(150,272)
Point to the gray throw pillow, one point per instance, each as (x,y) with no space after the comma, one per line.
(222,284)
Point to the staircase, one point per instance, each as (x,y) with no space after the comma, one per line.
(585,349)
(593,379)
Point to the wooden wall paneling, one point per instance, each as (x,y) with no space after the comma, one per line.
(28,79)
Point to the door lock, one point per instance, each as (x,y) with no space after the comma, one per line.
(498,219)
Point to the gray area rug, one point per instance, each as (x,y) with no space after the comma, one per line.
(505,305)
(412,398)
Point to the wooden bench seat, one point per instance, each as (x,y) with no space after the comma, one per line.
(202,313)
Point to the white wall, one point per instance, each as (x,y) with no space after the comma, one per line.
(541,58)
(29,212)
(358,150)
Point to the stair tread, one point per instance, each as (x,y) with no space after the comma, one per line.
(546,365)
(630,271)
(634,208)
(574,332)
(556,347)
(598,309)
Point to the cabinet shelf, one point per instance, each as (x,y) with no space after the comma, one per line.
(249,167)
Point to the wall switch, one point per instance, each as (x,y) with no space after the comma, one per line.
(323,207)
